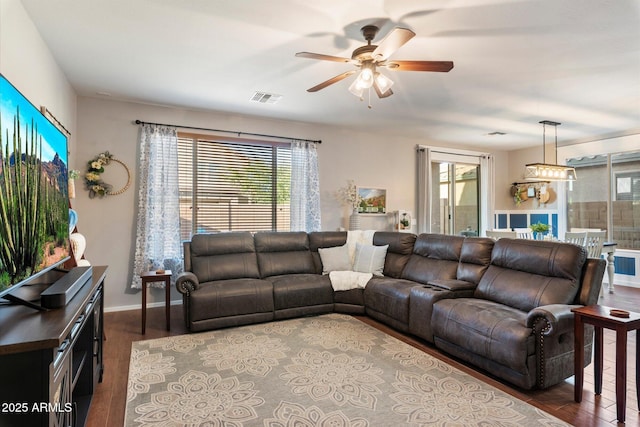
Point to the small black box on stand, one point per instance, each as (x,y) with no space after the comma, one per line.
(61,291)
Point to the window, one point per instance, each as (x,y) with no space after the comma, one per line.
(625,206)
(594,203)
(587,195)
(233,185)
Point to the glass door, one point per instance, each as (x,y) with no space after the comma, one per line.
(455,204)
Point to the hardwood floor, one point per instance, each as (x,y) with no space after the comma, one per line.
(123,328)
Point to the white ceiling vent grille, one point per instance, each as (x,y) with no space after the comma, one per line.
(266,98)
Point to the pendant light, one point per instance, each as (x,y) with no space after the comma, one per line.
(549,171)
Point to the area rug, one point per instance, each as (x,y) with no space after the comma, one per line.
(330,370)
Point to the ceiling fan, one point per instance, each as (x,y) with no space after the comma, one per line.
(370,57)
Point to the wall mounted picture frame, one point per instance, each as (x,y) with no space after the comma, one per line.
(372,201)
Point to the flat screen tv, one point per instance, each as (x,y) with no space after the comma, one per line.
(34,200)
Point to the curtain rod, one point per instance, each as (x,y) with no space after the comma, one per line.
(531,182)
(318,141)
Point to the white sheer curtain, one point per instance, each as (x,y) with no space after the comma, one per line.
(305,187)
(423,206)
(487,191)
(158,244)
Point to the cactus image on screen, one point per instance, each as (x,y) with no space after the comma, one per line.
(34,204)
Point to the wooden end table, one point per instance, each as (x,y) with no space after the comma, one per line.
(151,277)
(599,316)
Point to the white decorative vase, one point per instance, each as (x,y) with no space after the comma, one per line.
(354,220)
(78,246)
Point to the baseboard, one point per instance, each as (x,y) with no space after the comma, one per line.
(139,306)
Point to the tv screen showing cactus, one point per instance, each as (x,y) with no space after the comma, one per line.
(34,201)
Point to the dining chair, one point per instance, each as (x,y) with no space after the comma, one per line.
(594,242)
(523,233)
(575,237)
(499,234)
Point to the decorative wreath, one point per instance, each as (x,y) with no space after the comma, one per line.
(93,182)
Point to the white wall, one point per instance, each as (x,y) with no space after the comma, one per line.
(109,223)
(25,60)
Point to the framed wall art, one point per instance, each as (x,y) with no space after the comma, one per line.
(372,200)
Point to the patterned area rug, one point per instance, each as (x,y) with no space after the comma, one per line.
(330,370)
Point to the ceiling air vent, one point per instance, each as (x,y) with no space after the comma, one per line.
(266,98)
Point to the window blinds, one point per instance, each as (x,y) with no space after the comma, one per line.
(233,186)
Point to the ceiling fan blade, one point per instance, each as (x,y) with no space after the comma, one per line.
(392,42)
(331,81)
(322,57)
(440,66)
(380,94)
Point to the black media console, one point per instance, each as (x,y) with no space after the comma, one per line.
(51,361)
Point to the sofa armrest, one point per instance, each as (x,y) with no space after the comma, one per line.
(558,317)
(553,328)
(453,284)
(187,282)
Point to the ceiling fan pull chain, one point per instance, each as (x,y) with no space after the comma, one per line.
(369,91)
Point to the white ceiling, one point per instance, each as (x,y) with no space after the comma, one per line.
(516,62)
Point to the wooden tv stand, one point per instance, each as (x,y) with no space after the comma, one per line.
(51,362)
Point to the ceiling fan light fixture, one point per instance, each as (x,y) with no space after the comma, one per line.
(365,79)
(384,83)
(356,88)
(369,57)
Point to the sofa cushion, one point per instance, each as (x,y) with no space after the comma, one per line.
(349,297)
(526,274)
(399,252)
(435,256)
(324,239)
(388,298)
(281,253)
(370,259)
(221,256)
(232,297)
(475,257)
(301,290)
(484,328)
(335,259)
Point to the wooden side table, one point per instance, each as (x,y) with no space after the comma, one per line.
(151,277)
(599,316)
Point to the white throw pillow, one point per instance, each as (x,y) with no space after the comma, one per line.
(335,259)
(370,259)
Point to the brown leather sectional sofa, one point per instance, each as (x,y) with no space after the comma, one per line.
(502,306)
